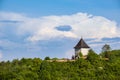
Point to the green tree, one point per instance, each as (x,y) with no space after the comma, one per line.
(91,68)
(106,51)
(92,56)
(45,75)
(80,54)
(106,48)
(47,58)
(54,59)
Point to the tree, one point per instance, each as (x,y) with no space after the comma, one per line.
(92,56)
(80,54)
(92,68)
(54,59)
(44,75)
(106,48)
(47,58)
(106,51)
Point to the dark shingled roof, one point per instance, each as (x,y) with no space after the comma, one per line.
(81,44)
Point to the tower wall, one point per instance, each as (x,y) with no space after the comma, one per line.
(84,51)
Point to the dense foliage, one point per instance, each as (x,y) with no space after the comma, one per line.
(93,67)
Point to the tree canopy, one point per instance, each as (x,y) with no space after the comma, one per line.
(91,68)
(106,48)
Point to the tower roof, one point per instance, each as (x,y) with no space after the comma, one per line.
(81,44)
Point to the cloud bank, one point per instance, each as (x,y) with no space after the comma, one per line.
(45,28)
(54,36)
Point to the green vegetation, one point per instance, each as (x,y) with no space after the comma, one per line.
(80,54)
(106,51)
(47,58)
(106,48)
(93,67)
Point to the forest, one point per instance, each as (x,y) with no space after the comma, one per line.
(105,66)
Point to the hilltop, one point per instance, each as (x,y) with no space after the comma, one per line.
(92,68)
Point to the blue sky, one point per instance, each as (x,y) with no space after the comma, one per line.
(39,28)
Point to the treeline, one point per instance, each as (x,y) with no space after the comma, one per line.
(105,66)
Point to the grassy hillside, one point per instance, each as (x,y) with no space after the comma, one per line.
(93,67)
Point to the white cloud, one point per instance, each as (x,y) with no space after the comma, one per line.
(0,54)
(11,16)
(82,24)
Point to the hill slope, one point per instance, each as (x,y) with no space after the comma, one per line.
(92,68)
